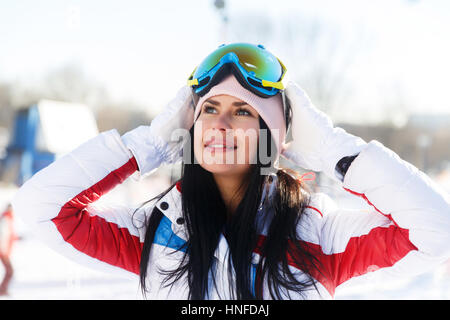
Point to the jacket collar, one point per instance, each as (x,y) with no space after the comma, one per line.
(170,205)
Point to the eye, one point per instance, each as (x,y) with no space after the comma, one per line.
(243,112)
(239,112)
(209,109)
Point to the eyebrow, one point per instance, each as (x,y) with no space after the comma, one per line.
(236,103)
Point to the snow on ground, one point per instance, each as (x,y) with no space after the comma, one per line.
(41,273)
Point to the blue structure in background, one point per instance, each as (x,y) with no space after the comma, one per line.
(23,159)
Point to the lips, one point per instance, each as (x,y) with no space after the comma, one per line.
(219,144)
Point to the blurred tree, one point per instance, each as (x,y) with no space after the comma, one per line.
(115,116)
(316,52)
(71,84)
(65,83)
(320,56)
(429,154)
(6,109)
(393,104)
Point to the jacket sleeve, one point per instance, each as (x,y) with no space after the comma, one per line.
(58,205)
(407,229)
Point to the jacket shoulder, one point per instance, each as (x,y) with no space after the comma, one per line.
(313,217)
(321,204)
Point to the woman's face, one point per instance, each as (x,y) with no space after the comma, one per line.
(226,135)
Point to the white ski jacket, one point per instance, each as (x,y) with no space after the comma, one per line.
(407,231)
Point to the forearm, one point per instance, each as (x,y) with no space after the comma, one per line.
(55,203)
(69,175)
(406,195)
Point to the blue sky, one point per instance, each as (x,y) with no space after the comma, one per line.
(144,50)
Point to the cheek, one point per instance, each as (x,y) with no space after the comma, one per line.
(248,141)
(198,132)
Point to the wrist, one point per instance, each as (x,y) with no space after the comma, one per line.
(343,165)
(341,146)
(147,149)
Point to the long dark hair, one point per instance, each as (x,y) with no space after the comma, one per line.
(205,217)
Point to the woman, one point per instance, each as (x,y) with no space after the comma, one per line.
(236,226)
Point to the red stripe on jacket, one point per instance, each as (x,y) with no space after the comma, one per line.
(315,210)
(107,242)
(382,247)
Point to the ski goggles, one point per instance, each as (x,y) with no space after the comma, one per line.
(254,67)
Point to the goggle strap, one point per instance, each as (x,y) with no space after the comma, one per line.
(276,85)
(193,82)
(286,111)
(192,74)
(194,99)
(284,69)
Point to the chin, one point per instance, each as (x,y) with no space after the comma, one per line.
(226,169)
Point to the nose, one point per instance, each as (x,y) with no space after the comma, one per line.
(220,127)
(221,122)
